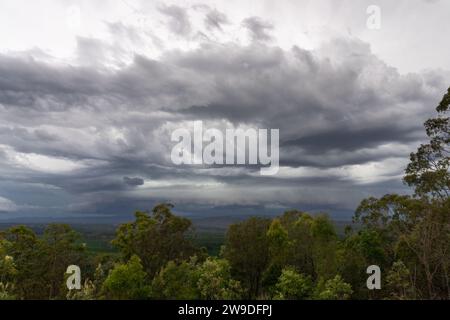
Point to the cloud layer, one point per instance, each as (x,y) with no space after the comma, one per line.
(93,135)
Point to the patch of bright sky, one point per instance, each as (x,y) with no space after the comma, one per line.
(410,30)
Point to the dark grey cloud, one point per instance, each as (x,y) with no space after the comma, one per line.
(259,29)
(215,19)
(133,181)
(103,132)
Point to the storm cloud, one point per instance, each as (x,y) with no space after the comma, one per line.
(92,134)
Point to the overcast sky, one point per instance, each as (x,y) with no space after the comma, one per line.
(90,92)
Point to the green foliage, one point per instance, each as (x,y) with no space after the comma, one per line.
(7,271)
(177,281)
(356,252)
(7,265)
(87,292)
(322,228)
(40,263)
(398,281)
(324,246)
(215,281)
(428,170)
(333,289)
(278,237)
(247,250)
(61,247)
(293,285)
(302,245)
(155,239)
(279,250)
(269,243)
(416,230)
(127,281)
(6,291)
(312,244)
(26,250)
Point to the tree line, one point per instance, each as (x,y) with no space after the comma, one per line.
(293,256)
